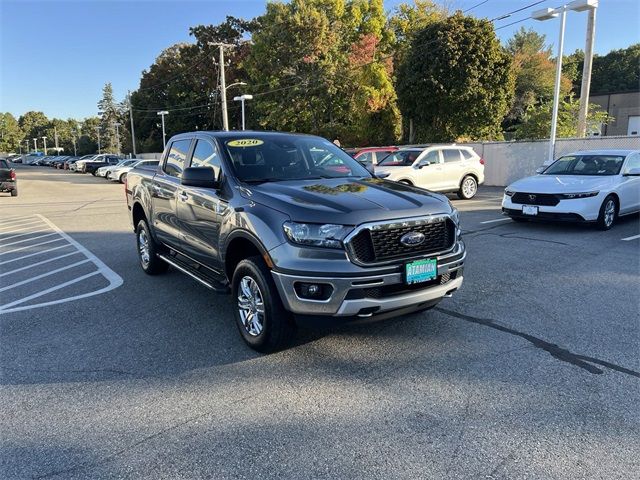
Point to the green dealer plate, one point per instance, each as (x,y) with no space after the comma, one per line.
(420,271)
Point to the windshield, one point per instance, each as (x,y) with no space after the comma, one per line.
(586,165)
(279,157)
(400,159)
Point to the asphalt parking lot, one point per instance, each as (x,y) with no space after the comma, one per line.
(530,371)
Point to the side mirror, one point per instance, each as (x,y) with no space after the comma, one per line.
(540,169)
(423,163)
(632,172)
(204,177)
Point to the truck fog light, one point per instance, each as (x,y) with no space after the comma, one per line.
(313,291)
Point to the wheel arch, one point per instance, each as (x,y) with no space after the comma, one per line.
(240,245)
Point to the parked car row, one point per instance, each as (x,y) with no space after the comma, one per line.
(109,166)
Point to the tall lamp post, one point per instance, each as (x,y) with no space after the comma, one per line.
(164,136)
(45,145)
(548,14)
(35,144)
(99,146)
(117,136)
(242,99)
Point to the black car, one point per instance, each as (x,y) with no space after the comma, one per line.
(8,181)
(92,167)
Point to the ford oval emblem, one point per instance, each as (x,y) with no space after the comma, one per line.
(412,239)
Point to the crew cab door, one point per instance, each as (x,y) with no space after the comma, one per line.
(200,210)
(164,191)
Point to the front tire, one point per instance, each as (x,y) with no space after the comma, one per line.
(148,251)
(263,322)
(608,213)
(122,177)
(468,188)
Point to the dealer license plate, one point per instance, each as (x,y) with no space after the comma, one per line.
(421,271)
(529,210)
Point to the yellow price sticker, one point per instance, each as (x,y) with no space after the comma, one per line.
(245,142)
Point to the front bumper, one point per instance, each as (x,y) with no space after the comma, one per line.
(369,294)
(571,210)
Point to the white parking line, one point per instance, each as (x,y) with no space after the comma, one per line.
(48,260)
(30,246)
(32,222)
(630,238)
(113,279)
(43,275)
(34,254)
(496,220)
(27,239)
(23,234)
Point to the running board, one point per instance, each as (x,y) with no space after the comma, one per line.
(197,276)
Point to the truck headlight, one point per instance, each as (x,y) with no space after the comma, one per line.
(508,193)
(315,235)
(455,216)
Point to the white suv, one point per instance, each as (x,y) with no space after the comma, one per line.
(438,168)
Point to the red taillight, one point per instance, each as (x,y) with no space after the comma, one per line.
(12,174)
(481,161)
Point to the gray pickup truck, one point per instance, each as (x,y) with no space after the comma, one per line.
(295,229)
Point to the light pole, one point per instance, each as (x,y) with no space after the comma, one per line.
(117,135)
(35,144)
(45,144)
(548,14)
(586,69)
(242,99)
(98,131)
(164,136)
(73,139)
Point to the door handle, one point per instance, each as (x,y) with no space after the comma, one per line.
(183,196)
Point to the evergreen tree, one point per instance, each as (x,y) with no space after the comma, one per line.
(110,113)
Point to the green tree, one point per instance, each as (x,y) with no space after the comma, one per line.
(11,135)
(33,125)
(534,69)
(111,112)
(88,136)
(617,71)
(536,123)
(456,81)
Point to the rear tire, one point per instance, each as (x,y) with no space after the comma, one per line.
(148,251)
(262,320)
(14,192)
(608,213)
(468,188)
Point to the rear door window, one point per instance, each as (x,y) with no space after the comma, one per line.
(451,155)
(177,157)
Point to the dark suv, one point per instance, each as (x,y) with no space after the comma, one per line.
(293,227)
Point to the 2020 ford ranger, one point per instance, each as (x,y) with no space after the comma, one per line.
(293,227)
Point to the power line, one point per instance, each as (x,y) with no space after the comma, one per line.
(475,6)
(507,15)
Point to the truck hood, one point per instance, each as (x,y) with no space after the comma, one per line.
(563,183)
(347,201)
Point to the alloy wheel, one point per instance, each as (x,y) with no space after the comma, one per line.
(143,247)
(609,212)
(251,306)
(469,187)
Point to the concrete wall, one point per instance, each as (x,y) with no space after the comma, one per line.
(149,156)
(509,161)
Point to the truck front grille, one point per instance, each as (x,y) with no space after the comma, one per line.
(380,244)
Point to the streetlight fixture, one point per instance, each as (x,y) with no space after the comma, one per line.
(164,136)
(548,14)
(242,99)
(45,145)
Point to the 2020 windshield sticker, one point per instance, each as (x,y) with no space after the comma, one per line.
(245,142)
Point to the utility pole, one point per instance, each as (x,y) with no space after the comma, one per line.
(117,135)
(586,73)
(98,130)
(164,136)
(223,88)
(45,145)
(73,139)
(133,132)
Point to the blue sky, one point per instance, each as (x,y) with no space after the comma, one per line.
(55,56)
